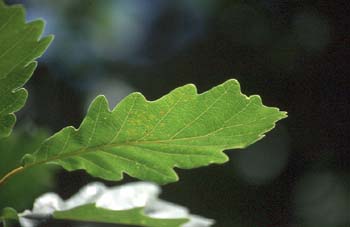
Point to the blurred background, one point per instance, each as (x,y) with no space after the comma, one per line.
(292,53)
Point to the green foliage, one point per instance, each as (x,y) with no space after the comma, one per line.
(134,216)
(8,216)
(19,46)
(9,213)
(146,139)
(36,180)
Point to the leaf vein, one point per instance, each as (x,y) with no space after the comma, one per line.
(95,124)
(125,120)
(200,115)
(8,21)
(134,161)
(164,116)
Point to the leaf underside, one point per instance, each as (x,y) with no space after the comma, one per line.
(19,46)
(147,139)
(135,216)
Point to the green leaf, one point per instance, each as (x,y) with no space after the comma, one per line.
(136,203)
(9,213)
(147,139)
(8,216)
(19,46)
(35,181)
(134,216)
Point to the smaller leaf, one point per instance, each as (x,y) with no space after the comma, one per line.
(9,213)
(8,216)
(134,216)
(132,204)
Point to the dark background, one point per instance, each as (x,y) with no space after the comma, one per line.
(293,53)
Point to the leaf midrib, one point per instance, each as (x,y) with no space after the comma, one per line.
(133,143)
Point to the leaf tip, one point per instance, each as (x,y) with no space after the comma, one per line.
(170,179)
(47,39)
(99,102)
(7,124)
(191,87)
(284,114)
(232,81)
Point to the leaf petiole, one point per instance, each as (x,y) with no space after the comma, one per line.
(10,174)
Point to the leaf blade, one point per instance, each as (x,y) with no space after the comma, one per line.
(134,216)
(147,139)
(136,203)
(20,45)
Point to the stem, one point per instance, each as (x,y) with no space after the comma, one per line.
(10,174)
(4,222)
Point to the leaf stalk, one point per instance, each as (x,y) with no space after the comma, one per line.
(10,174)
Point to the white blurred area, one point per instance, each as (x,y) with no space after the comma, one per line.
(127,196)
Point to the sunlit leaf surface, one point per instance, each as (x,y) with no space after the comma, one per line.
(147,139)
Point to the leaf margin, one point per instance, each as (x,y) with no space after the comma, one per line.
(26,67)
(30,160)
